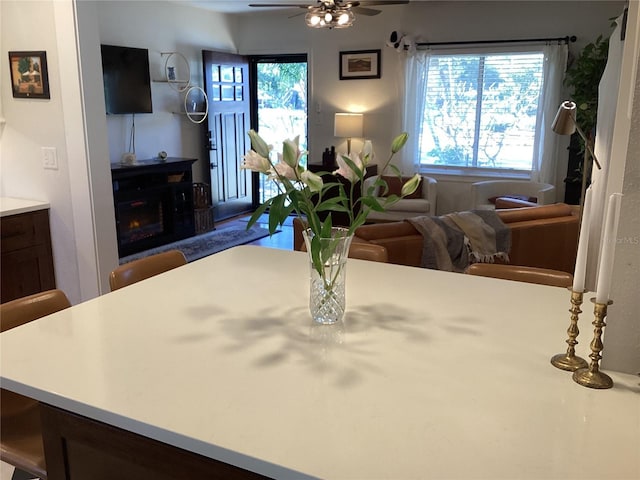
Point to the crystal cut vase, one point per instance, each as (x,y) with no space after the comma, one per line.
(328,269)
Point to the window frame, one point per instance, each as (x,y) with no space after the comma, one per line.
(506,173)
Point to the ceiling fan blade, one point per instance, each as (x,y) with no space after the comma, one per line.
(368,12)
(272,5)
(374,3)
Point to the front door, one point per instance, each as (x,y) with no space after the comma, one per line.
(226,80)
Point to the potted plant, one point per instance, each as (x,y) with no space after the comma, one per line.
(583,77)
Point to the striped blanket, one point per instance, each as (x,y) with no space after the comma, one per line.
(452,242)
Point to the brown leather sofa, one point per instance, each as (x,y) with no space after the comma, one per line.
(543,236)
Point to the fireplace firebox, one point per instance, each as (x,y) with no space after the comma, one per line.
(153,203)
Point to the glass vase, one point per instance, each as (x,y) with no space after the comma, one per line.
(328,269)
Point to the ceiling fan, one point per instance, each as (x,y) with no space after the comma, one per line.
(334,13)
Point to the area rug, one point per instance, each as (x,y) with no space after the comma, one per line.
(207,243)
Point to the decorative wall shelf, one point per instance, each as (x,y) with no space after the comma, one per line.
(178,75)
(196,104)
(176,68)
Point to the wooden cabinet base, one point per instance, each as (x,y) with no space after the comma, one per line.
(78,448)
(27,258)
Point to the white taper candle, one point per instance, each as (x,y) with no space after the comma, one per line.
(605,267)
(580,271)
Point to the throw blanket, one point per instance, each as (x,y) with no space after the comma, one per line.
(453,241)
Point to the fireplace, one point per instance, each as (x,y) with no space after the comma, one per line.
(140,220)
(153,204)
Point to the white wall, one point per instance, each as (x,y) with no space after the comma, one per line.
(32,124)
(381,100)
(622,335)
(162,27)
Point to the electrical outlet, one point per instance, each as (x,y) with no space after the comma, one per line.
(49,158)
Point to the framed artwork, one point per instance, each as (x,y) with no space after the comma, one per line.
(360,64)
(29,77)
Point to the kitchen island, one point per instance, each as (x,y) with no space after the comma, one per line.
(217,363)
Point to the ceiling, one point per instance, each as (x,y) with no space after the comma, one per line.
(240,6)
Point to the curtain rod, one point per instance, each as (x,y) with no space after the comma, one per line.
(566,39)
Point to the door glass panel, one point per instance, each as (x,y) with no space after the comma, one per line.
(226,84)
(282,108)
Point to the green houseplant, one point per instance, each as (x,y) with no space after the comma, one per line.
(583,77)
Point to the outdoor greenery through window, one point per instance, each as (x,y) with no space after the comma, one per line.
(281,105)
(481,110)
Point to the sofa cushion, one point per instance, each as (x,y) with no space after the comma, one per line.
(525,198)
(395,187)
(419,206)
(505,202)
(510,215)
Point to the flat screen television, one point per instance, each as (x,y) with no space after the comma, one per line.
(127,84)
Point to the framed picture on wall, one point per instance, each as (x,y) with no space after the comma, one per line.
(29,77)
(359,64)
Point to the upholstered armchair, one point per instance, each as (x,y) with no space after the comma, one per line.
(483,194)
(421,202)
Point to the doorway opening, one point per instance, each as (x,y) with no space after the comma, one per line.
(279,107)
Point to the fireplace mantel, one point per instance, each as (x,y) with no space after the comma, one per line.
(153,203)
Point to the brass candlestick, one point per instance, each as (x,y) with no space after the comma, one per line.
(569,361)
(592,377)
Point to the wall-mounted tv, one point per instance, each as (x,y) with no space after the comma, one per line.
(127,84)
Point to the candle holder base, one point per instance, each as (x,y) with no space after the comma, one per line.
(570,363)
(590,379)
(591,376)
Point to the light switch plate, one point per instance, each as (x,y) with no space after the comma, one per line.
(49,158)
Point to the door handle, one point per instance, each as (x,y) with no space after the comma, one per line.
(211,146)
(212,165)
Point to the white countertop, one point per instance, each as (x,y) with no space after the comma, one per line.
(431,375)
(14,206)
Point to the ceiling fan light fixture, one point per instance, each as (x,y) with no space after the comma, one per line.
(330,15)
(345,18)
(313,19)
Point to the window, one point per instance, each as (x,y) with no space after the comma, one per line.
(481,111)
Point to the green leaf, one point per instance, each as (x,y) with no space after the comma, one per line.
(395,170)
(373,204)
(256,215)
(277,212)
(325,207)
(327,225)
(352,166)
(357,222)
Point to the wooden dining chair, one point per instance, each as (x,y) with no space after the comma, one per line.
(541,276)
(20,429)
(145,267)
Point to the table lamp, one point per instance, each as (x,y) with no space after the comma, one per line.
(348,125)
(565,124)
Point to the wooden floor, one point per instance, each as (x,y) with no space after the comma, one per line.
(282,239)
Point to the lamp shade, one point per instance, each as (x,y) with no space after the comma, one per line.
(565,121)
(348,125)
